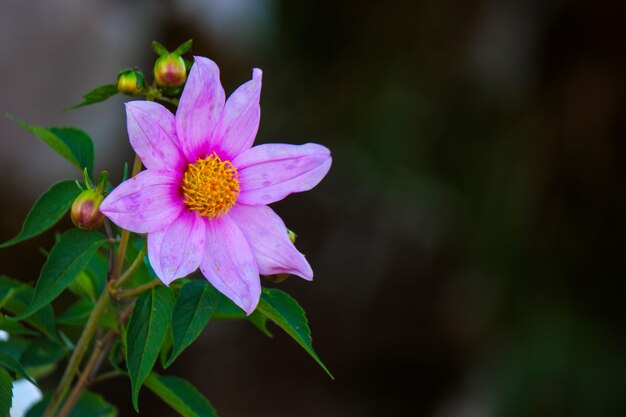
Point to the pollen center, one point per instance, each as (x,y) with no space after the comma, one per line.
(210,186)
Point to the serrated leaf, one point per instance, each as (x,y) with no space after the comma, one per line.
(192,312)
(68,257)
(6,392)
(49,208)
(89,405)
(181,395)
(183,47)
(12,364)
(260,322)
(17,302)
(72,144)
(146,330)
(283,310)
(97,95)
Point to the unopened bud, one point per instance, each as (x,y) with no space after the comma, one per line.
(170,70)
(85,212)
(130,81)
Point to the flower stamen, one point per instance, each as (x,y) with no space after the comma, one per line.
(210,186)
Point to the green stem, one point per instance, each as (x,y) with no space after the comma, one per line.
(137,290)
(79,353)
(132,268)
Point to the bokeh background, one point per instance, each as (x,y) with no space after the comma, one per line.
(469,240)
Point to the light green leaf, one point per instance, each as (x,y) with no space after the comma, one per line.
(97,95)
(158,48)
(89,405)
(47,211)
(72,144)
(283,310)
(183,47)
(6,392)
(192,312)
(19,296)
(180,395)
(68,257)
(146,330)
(12,364)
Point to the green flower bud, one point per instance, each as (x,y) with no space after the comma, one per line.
(85,211)
(130,81)
(170,70)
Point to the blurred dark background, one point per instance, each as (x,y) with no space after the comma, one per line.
(468,243)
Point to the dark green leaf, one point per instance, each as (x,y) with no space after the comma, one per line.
(260,322)
(97,95)
(146,330)
(78,314)
(47,211)
(20,297)
(41,352)
(192,312)
(72,144)
(180,395)
(158,48)
(12,364)
(89,405)
(68,257)
(183,47)
(6,392)
(283,310)
(15,327)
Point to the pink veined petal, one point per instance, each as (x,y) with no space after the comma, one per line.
(176,250)
(270,172)
(239,122)
(145,203)
(152,133)
(199,108)
(229,265)
(267,236)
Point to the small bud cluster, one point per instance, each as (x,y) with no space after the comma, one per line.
(170,74)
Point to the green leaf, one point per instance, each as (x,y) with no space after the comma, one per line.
(47,211)
(89,405)
(192,312)
(78,314)
(72,144)
(6,392)
(260,322)
(15,327)
(97,95)
(146,330)
(20,296)
(158,48)
(41,352)
(180,395)
(183,47)
(283,310)
(68,257)
(14,365)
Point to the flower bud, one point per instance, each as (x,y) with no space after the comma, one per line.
(130,81)
(170,70)
(85,211)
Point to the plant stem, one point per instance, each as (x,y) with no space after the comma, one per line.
(137,290)
(79,353)
(132,268)
(119,260)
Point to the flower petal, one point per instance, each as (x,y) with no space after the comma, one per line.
(239,122)
(147,202)
(176,250)
(152,133)
(270,172)
(229,265)
(199,108)
(267,236)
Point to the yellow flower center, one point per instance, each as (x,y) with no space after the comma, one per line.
(210,186)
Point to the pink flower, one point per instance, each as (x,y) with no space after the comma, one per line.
(203,198)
